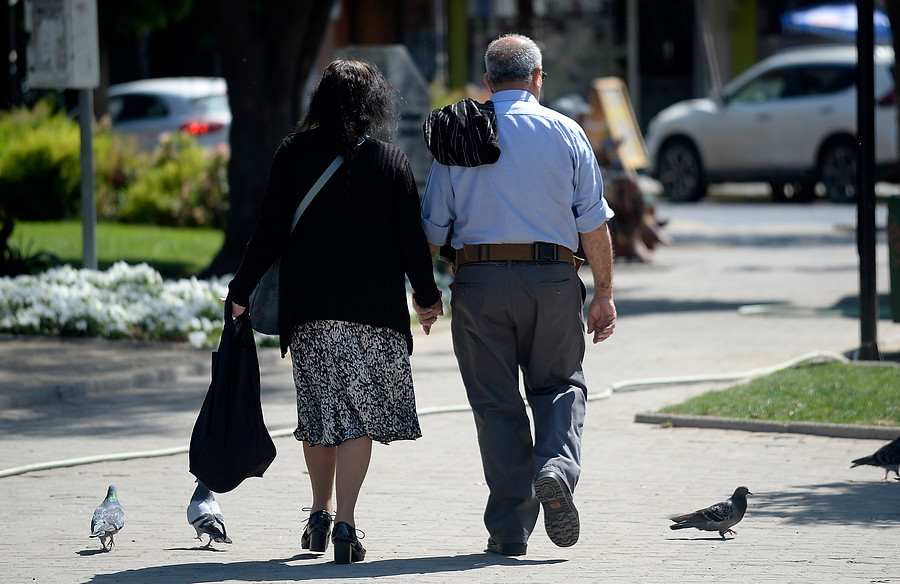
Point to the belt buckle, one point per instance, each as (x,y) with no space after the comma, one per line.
(545,252)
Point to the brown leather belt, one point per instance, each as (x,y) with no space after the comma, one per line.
(528,252)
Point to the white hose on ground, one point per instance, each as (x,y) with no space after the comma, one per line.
(616,387)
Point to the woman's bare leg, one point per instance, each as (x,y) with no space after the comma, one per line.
(321,462)
(352,464)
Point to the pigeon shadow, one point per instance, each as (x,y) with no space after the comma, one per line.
(856,503)
(85,553)
(281,570)
(199,548)
(699,538)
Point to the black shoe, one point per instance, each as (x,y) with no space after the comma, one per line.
(506,549)
(347,547)
(315,536)
(560,515)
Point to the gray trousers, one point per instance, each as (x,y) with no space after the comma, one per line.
(509,316)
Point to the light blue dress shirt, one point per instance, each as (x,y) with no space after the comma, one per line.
(546,186)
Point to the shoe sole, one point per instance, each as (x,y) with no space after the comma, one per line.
(560,516)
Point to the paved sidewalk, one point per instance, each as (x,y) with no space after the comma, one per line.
(811,519)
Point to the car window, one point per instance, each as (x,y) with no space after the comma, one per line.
(820,80)
(766,87)
(136,107)
(212,103)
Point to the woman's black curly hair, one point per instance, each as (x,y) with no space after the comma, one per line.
(352,99)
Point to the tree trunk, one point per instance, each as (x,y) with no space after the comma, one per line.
(893,12)
(268,49)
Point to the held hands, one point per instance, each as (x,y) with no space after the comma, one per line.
(429,315)
(601,318)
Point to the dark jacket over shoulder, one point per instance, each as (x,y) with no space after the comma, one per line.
(347,257)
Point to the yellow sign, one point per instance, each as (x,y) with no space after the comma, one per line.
(612,117)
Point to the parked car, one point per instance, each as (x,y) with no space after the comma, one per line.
(150,107)
(790,121)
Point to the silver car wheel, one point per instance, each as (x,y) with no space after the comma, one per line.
(681,172)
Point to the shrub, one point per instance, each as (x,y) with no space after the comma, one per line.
(40,172)
(183,185)
(178,184)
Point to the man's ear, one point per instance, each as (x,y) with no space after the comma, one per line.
(488,83)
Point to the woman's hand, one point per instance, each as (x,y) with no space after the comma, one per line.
(236,309)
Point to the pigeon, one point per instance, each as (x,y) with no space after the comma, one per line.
(108,519)
(719,517)
(887,457)
(204,515)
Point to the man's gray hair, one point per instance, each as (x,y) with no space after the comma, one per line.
(511,61)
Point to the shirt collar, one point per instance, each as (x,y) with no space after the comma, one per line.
(513,95)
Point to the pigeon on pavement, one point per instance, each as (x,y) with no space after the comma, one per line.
(719,517)
(108,519)
(204,515)
(887,457)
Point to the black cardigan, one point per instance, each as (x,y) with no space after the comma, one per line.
(348,255)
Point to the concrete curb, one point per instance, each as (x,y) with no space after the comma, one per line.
(58,392)
(54,393)
(830,430)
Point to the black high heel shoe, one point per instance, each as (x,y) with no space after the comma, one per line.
(315,536)
(347,548)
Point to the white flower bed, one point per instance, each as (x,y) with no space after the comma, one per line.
(123,302)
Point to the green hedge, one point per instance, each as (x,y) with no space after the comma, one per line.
(178,184)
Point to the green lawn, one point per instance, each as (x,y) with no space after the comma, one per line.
(837,393)
(175,252)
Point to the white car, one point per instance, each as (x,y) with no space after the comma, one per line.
(150,107)
(790,121)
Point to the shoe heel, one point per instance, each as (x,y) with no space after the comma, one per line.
(342,552)
(318,540)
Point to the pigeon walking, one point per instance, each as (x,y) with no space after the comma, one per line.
(108,519)
(719,517)
(204,515)
(887,457)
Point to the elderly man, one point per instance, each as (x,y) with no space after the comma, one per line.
(517,298)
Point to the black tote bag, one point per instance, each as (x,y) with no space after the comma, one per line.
(230,441)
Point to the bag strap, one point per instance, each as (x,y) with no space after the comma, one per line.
(314,190)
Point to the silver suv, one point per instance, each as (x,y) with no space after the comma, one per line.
(790,121)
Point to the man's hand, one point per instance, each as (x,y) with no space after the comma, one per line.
(429,315)
(601,318)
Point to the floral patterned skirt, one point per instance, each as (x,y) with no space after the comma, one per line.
(353,380)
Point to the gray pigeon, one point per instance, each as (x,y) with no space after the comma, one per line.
(204,514)
(887,457)
(108,519)
(719,517)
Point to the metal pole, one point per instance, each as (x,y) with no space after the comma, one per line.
(633,41)
(865,180)
(13,57)
(88,204)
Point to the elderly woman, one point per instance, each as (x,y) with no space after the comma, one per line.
(343,312)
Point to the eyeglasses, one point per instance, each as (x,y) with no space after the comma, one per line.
(543,74)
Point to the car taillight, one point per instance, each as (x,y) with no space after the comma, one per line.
(196,128)
(889,98)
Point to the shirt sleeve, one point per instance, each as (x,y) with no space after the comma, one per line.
(590,206)
(437,205)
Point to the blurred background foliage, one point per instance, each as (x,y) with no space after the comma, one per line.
(178,184)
